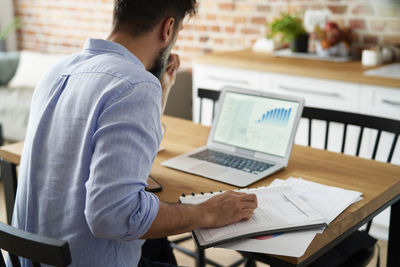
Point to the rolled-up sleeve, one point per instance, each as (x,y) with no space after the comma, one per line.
(125,143)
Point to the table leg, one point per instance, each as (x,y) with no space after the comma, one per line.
(9,175)
(200,259)
(393,256)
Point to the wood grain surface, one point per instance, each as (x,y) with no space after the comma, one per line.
(379,182)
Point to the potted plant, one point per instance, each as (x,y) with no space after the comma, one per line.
(291,30)
(15,24)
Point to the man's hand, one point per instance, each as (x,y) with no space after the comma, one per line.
(223,209)
(227,208)
(168,78)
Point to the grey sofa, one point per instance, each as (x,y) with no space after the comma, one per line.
(15,97)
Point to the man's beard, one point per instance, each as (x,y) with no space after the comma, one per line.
(161,62)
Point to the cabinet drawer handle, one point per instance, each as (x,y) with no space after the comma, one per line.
(391,102)
(227,80)
(307,91)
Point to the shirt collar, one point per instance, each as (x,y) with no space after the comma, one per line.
(109,46)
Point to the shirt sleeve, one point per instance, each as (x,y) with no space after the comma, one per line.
(125,143)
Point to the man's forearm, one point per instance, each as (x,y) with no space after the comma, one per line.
(220,210)
(174,219)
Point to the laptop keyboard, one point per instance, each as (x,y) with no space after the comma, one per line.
(243,164)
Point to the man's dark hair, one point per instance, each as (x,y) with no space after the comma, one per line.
(140,16)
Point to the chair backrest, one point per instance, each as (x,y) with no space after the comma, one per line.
(212,95)
(347,118)
(37,249)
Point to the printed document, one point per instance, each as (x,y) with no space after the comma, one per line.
(328,200)
(279,210)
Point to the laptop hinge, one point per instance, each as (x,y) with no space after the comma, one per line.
(244,152)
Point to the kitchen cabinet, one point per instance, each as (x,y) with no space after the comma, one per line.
(336,86)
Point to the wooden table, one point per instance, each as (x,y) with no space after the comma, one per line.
(10,156)
(379,182)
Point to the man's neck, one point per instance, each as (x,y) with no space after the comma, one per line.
(142,47)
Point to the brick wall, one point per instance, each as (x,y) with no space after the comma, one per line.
(63,25)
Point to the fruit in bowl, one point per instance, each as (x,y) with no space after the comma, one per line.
(333,41)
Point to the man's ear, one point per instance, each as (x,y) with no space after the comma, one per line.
(167,29)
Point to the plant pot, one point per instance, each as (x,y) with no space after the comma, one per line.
(300,43)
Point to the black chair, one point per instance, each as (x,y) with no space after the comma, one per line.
(212,95)
(37,249)
(329,116)
(363,121)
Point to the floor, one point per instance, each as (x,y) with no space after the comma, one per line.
(221,256)
(226,257)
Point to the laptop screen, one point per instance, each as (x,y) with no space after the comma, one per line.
(256,123)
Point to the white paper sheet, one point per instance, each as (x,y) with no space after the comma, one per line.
(278,208)
(329,201)
(289,244)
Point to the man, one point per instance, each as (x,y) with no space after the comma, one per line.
(93,133)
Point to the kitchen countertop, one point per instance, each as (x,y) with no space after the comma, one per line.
(352,71)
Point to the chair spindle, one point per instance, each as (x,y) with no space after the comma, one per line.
(309,131)
(344,137)
(378,137)
(327,134)
(14,260)
(392,148)
(359,141)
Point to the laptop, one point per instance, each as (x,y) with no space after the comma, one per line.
(251,137)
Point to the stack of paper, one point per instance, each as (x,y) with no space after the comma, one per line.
(279,210)
(327,200)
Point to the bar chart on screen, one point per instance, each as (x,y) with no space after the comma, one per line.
(279,116)
(259,124)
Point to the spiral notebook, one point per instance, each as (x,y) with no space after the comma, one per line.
(279,210)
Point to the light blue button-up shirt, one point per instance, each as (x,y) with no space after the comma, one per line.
(93,133)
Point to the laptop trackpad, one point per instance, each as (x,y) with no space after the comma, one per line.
(208,169)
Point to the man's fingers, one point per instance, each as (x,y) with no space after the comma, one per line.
(249,197)
(179,62)
(172,60)
(248,205)
(245,201)
(246,214)
(176,63)
(173,64)
(243,197)
(230,207)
